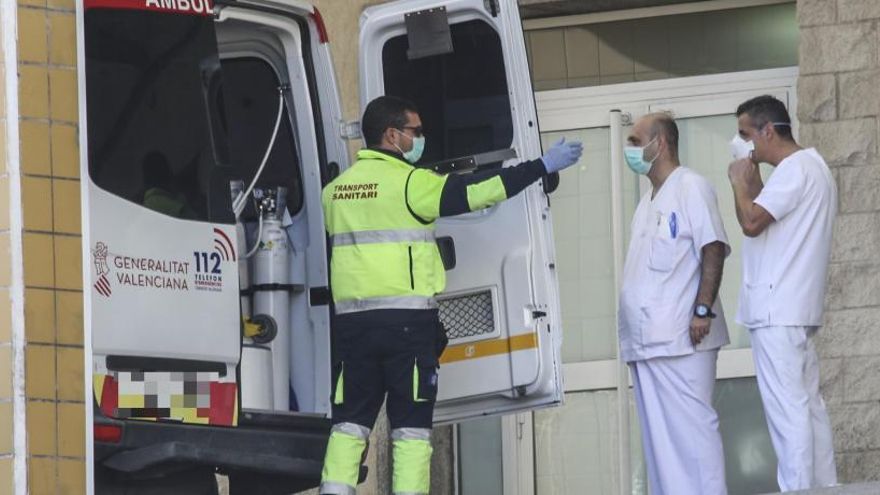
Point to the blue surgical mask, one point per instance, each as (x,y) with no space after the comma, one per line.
(635,158)
(415,153)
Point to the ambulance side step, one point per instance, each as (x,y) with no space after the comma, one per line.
(150,457)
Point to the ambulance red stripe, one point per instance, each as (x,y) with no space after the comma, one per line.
(187,7)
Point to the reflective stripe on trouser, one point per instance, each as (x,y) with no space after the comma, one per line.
(412,460)
(342,463)
(394,302)
(378,236)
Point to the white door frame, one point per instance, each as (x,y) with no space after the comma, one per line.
(581,108)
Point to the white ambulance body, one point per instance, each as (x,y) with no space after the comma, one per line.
(183,99)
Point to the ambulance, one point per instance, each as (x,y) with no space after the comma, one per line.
(208,131)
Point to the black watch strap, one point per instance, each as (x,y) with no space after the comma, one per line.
(704,311)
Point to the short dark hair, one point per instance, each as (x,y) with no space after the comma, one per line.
(765,110)
(382,113)
(662,124)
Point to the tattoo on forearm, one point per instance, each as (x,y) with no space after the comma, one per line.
(710,272)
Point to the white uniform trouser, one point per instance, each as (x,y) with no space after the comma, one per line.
(680,436)
(788,378)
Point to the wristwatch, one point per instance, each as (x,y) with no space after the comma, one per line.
(703,311)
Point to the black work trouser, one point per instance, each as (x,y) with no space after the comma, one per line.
(375,356)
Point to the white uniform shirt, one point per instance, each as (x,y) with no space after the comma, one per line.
(784,268)
(662,271)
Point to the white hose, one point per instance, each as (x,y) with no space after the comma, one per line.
(241,200)
(259,237)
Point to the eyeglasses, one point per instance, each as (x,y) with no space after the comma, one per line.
(416,130)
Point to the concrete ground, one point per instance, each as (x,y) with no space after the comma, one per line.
(857,489)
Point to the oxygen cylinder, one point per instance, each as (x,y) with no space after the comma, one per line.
(271,290)
(256,376)
(256,360)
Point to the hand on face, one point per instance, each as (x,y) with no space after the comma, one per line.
(743,171)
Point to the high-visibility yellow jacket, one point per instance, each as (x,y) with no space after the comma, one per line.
(380,216)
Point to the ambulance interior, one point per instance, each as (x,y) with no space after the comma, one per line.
(263,60)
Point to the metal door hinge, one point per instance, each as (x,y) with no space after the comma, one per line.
(319,296)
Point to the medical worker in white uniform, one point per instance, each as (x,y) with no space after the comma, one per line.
(787,223)
(671,323)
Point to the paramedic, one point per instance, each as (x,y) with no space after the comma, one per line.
(787,223)
(385,271)
(671,323)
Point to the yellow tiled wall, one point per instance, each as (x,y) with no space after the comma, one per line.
(6,425)
(51,241)
(342,20)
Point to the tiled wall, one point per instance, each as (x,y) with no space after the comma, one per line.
(663,47)
(52,246)
(6,425)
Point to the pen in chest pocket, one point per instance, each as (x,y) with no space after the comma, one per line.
(671,221)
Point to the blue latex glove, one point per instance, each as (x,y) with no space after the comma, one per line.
(562,155)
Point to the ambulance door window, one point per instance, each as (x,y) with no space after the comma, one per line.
(250,106)
(462,96)
(149,135)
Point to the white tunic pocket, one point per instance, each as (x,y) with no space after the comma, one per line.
(664,324)
(661,257)
(756,305)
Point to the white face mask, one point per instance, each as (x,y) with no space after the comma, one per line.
(740,148)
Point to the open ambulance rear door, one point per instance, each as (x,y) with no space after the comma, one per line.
(163,286)
(164,134)
(463,62)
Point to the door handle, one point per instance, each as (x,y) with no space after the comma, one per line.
(446,246)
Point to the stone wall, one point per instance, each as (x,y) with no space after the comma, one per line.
(838,107)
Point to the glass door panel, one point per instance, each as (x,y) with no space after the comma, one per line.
(576,446)
(584,252)
(480,459)
(749,459)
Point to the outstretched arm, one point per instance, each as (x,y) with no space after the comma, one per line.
(465,193)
